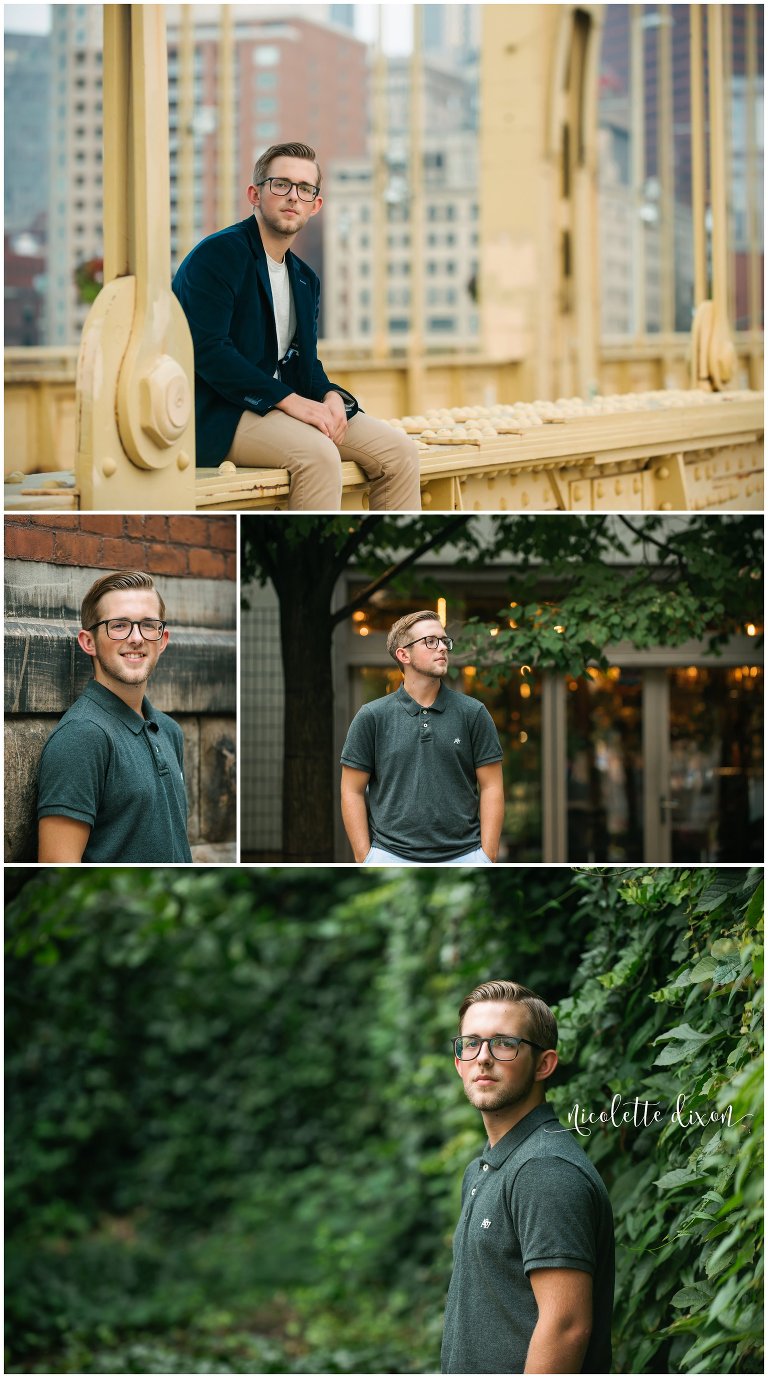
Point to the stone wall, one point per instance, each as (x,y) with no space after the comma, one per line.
(50,562)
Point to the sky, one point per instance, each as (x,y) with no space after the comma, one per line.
(397,23)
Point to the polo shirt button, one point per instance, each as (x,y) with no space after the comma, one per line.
(474,1191)
(485,1167)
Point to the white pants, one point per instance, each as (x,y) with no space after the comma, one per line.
(378,856)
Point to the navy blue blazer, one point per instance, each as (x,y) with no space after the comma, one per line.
(223,287)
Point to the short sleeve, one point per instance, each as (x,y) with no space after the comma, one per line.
(359,750)
(72,771)
(486,747)
(554,1209)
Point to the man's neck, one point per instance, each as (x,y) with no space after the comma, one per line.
(132,695)
(423,689)
(274,244)
(499,1122)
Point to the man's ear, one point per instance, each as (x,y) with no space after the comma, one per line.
(254,195)
(87,642)
(546,1065)
(401,656)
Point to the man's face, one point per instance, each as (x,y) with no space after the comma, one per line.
(286,215)
(133,660)
(490,1084)
(432,663)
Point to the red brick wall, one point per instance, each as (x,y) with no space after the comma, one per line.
(195,547)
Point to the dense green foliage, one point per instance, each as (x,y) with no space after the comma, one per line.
(235,1137)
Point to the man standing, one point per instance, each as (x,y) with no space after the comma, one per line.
(421,769)
(111,779)
(262,398)
(533,1252)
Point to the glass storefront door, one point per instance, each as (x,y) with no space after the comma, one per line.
(604,748)
(715,799)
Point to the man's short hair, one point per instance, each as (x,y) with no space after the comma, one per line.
(113,583)
(542,1024)
(398,631)
(261,168)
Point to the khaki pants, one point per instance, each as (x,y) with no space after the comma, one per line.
(387,456)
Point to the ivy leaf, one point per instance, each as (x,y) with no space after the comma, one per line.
(691,1298)
(704,970)
(678,1177)
(676,1052)
(683,1031)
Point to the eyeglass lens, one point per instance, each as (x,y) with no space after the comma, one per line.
(119,629)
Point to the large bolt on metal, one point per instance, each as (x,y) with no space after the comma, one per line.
(165,401)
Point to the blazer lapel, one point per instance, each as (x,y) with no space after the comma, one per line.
(262,272)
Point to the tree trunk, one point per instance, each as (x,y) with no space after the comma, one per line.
(309,769)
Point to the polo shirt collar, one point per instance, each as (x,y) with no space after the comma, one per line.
(114,705)
(498,1155)
(411,706)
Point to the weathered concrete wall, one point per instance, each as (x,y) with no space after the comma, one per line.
(195,680)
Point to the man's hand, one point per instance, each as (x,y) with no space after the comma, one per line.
(328,416)
(62,839)
(315,414)
(354,811)
(561,1334)
(335,405)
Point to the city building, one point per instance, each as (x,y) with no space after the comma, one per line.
(447,258)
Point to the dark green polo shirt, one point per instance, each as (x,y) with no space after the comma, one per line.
(422,793)
(533,1201)
(120,772)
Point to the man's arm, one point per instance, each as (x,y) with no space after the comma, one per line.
(354,811)
(561,1334)
(491,787)
(62,839)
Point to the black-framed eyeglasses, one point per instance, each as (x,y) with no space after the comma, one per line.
(431,642)
(501,1047)
(280,186)
(120,628)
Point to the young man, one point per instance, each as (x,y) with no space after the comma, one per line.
(421,768)
(262,398)
(533,1252)
(111,778)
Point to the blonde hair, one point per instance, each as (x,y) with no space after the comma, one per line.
(261,167)
(398,630)
(542,1024)
(110,583)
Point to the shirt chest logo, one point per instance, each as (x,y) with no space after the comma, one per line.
(486,1224)
(457,741)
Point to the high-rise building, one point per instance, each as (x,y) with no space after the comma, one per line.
(447,186)
(27,67)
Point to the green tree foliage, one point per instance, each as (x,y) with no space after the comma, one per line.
(649,581)
(235,1137)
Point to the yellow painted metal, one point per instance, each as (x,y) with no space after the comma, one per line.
(714,356)
(538,193)
(416,216)
(185,133)
(637,154)
(666,171)
(225,169)
(379,224)
(700,284)
(135,422)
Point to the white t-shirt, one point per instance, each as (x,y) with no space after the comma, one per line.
(282,303)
